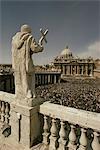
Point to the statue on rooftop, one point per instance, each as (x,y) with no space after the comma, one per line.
(23,46)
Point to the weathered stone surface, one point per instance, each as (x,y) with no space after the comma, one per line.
(83,118)
(23,46)
(8,144)
(25,124)
(7,97)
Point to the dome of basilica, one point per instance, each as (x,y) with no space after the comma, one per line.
(66,53)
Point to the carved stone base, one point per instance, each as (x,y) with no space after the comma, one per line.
(25,125)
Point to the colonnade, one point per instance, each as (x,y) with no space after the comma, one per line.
(51,78)
(7,81)
(81,69)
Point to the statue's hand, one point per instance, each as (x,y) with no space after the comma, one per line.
(41,41)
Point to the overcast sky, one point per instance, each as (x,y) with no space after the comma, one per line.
(72,23)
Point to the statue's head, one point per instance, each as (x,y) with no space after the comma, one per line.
(26,28)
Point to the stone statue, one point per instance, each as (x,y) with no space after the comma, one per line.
(23,46)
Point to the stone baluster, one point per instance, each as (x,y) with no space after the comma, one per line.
(62,139)
(83,140)
(46,131)
(7,113)
(95,143)
(72,139)
(3,112)
(53,136)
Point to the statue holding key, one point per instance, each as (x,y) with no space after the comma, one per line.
(23,46)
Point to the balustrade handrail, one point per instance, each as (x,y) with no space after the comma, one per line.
(74,116)
(7,97)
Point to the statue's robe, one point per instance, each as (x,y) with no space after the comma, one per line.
(23,46)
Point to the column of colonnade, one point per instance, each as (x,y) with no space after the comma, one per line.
(91,71)
(48,78)
(78,69)
(71,69)
(86,69)
(63,69)
(82,72)
(68,69)
(75,69)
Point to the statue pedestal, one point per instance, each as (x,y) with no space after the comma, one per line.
(24,101)
(25,125)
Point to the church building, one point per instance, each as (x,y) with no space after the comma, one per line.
(72,66)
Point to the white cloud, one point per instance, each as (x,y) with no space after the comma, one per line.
(92,50)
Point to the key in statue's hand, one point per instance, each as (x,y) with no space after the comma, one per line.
(43,37)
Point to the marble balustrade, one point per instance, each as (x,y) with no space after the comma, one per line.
(70,128)
(5,100)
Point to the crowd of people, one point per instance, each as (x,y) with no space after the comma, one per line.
(80,94)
